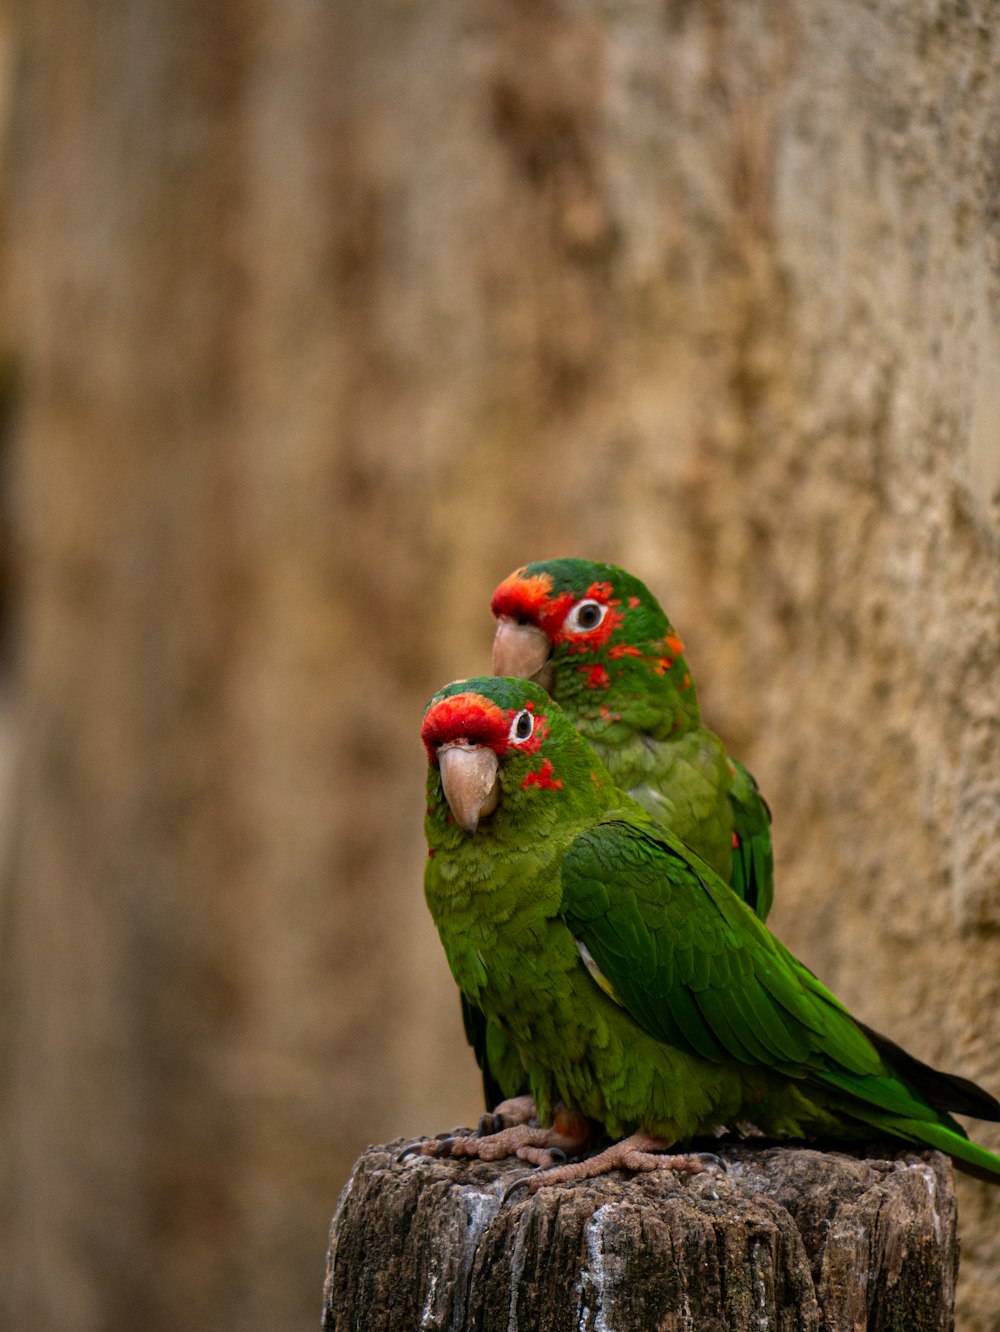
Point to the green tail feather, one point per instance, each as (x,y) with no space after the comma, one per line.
(944,1091)
(946,1140)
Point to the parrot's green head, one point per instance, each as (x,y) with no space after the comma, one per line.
(597,639)
(504,756)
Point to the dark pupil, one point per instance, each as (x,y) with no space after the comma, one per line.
(523,728)
(589,616)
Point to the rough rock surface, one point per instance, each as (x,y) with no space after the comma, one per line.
(791,1240)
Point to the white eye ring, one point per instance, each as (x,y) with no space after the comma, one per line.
(519,732)
(580,620)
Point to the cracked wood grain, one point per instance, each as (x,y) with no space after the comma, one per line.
(787,1239)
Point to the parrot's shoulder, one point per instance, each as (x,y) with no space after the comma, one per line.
(628,840)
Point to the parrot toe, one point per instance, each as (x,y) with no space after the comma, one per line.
(527,1141)
(640,1152)
(508,1114)
(427,1146)
(542,1156)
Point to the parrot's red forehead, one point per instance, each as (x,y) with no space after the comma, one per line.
(529,596)
(480,721)
(465,716)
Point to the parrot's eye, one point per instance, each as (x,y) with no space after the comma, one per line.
(584,616)
(522,726)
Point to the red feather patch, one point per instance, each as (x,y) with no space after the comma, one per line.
(600,592)
(527,596)
(465,716)
(543,778)
(597,676)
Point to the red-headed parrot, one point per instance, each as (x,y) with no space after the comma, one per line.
(642,997)
(597,640)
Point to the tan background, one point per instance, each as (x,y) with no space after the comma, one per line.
(321,317)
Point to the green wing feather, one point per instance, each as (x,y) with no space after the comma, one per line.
(476,1024)
(752,874)
(697,969)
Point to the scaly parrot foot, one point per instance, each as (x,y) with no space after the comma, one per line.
(541,1146)
(641,1151)
(508,1114)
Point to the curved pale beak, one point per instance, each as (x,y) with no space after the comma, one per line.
(521,650)
(470,781)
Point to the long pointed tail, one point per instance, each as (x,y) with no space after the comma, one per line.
(984,1164)
(944,1091)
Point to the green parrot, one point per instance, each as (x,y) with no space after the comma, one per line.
(644,999)
(599,642)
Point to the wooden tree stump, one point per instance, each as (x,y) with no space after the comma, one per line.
(787,1239)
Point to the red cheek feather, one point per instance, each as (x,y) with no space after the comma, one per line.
(543,778)
(597,676)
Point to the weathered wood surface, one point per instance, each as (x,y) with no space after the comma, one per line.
(787,1239)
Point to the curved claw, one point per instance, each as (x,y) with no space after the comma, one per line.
(410,1149)
(488,1125)
(523,1181)
(710,1159)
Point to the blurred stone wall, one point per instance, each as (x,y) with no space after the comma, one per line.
(324,318)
